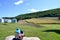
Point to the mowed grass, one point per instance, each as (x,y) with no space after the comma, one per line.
(42,32)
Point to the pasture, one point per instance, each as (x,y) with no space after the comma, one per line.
(43,20)
(47,32)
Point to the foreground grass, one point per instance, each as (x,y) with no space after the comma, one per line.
(48,32)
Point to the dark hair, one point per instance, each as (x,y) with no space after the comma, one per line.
(21,32)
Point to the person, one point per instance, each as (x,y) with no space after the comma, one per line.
(19,34)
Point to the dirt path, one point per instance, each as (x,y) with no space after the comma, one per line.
(24,38)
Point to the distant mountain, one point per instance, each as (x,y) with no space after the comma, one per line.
(47,13)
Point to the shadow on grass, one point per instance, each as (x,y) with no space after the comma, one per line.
(56,31)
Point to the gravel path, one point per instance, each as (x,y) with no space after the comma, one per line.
(24,38)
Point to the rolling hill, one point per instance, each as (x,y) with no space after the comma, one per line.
(47,13)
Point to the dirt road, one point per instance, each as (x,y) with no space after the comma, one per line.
(24,38)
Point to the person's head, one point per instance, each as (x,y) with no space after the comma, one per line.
(17,30)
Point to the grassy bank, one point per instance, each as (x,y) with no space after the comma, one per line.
(43,20)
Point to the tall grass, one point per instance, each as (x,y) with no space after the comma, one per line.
(42,20)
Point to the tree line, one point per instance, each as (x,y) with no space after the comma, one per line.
(47,13)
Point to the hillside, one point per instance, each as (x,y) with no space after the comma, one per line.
(47,13)
(45,20)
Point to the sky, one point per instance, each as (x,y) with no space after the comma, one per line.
(12,8)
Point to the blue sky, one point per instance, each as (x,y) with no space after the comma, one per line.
(12,8)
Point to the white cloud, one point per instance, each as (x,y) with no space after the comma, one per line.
(18,2)
(33,10)
(36,10)
(44,9)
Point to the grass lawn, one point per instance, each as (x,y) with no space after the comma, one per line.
(47,32)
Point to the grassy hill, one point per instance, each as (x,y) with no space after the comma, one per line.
(44,20)
(47,13)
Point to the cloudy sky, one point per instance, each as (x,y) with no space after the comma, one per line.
(11,8)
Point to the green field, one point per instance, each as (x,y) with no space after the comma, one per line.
(47,32)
